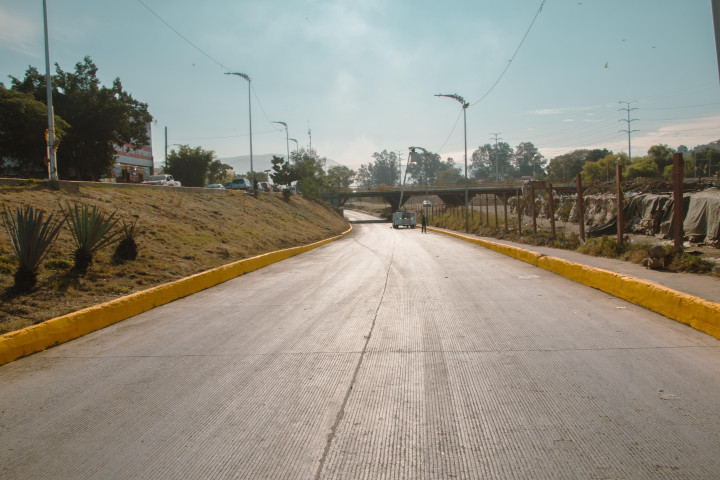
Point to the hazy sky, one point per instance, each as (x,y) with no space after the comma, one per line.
(362,74)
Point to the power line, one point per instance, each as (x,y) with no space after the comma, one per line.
(514,54)
(182,36)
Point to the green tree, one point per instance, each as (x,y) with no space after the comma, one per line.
(23,123)
(527,160)
(219,172)
(339,177)
(450,174)
(602,170)
(100,118)
(384,170)
(480,163)
(190,165)
(309,172)
(425,168)
(564,168)
(490,160)
(645,167)
(662,155)
(283,172)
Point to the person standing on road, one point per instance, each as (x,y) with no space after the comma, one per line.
(424,224)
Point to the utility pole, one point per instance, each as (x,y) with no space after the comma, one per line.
(310,134)
(497,160)
(51,139)
(629,121)
(716,22)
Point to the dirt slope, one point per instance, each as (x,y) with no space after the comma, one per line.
(186,231)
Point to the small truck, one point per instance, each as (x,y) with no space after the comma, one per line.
(404,218)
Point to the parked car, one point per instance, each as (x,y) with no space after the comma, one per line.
(276,187)
(264,187)
(216,185)
(163,179)
(239,183)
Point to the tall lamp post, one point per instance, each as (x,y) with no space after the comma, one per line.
(465,105)
(287,139)
(52,159)
(252,170)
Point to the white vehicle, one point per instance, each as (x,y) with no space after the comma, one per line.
(163,179)
(404,218)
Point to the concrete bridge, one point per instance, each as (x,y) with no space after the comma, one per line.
(451,196)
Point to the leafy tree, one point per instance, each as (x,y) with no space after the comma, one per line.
(564,168)
(646,167)
(426,168)
(284,172)
(450,174)
(190,165)
(662,155)
(309,171)
(339,177)
(384,170)
(707,161)
(602,170)
(23,123)
(528,160)
(99,117)
(219,172)
(490,160)
(480,163)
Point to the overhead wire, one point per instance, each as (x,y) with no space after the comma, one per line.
(211,59)
(527,32)
(182,36)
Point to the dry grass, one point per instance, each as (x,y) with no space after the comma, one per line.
(185,231)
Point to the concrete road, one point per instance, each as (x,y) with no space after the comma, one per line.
(388,354)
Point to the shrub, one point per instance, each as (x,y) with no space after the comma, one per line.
(31,236)
(91,230)
(126,248)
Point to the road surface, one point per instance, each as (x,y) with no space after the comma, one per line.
(387,354)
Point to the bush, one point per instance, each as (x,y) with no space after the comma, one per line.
(126,248)
(32,237)
(91,230)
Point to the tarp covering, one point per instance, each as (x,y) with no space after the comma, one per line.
(651,214)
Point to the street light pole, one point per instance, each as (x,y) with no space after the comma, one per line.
(252,170)
(287,139)
(52,159)
(297,147)
(465,105)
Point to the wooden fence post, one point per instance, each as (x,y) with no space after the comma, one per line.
(551,205)
(620,219)
(580,207)
(678,204)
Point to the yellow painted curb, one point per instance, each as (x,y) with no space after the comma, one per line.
(698,313)
(53,332)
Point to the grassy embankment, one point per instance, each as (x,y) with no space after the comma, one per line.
(185,231)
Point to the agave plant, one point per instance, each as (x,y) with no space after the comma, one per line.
(91,229)
(127,249)
(31,236)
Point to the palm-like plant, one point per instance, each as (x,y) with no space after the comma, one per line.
(127,247)
(31,236)
(91,229)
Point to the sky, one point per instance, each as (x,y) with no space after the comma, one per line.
(362,76)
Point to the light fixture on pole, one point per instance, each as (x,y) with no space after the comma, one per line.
(465,105)
(252,170)
(287,142)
